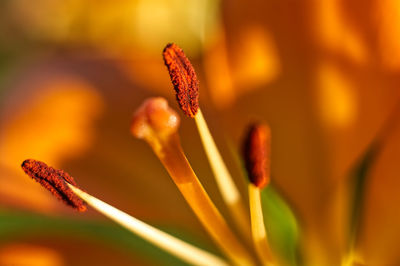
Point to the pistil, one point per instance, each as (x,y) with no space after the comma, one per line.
(156,123)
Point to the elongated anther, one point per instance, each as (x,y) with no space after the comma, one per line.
(183,78)
(256,153)
(55,181)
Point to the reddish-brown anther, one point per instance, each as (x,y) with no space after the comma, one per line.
(183,78)
(55,181)
(257,152)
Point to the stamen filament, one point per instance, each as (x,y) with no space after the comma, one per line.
(257,153)
(224,180)
(170,244)
(258,231)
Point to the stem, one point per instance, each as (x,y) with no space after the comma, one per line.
(224,180)
(259,234)
(173,245)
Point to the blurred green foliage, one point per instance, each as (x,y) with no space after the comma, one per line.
(281,224)
(16,225)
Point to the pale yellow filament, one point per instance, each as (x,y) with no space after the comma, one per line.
(258,231)
(224,180)
(170,244)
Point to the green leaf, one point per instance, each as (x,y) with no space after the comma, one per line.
(14,225)
(281,224)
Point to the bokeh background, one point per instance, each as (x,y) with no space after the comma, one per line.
(324,74)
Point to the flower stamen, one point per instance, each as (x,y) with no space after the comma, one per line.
(256,152)
(63,186)
(186,86)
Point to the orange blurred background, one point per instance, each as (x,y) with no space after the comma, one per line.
(324,74)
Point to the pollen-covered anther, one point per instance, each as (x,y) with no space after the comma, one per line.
(256,152)
(55,181)
(183,78)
